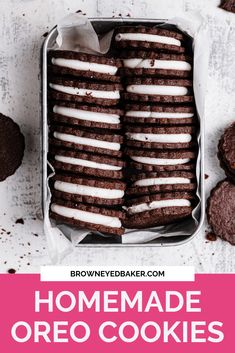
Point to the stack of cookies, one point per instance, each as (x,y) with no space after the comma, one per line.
(159,124)
(85,141)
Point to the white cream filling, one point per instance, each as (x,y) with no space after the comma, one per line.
(85,216)
(160,161)
(87,190)
(158,115)
(139,63)
(161,181)
(146,37)
(157,90)
(86,92)
(158,204)
(87,115)
(160,138)
(87,141)
(86,163)
(85,66)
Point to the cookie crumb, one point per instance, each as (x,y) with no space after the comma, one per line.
(45,34)
(19,221)
(211,236)
(206,176)
(11,271)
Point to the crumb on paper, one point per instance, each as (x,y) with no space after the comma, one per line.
(211,236)
(19,221)
(206,176)
(45,34)
(11,271)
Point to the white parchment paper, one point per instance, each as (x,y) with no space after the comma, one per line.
(75,32)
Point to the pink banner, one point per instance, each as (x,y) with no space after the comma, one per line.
(118,317)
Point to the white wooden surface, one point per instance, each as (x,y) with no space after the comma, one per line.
(22,25)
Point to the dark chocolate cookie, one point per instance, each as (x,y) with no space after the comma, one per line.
(228,5)
(158,209)
(143,37)
(96,67)
(159,114)
(86,190)
(148,63)
(161,160)
(227,151)
(221,210)
(86,140)
(73,90)
(12,147)
(158,90)
(85,115)
(176,137)
(97,219)
(155,182)
(86,163)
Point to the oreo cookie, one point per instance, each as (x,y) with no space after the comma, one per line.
(176,137)
(159,114)
(73,90)
(221,210)
(155,182)
(158,90)
(86,163)
(88,190)
(98,219)
(149,63)
(158,210)
(97,141)
(143,37)
(226,151)
(162,160)
(228,5)
(96,67)
(12,145)
(85,115)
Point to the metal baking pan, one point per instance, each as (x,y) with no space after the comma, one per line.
(103,25)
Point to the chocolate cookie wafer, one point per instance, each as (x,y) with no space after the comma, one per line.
(221,210)
(159,114)
(85,115)
(86,163)
(66,89)
(151,38)
(98,219)
(160,137)
(158,209)
(97,141)
(158,90)
(226,152)
(149,63)
(88,190)
(162,160)
(96,67)
(155,182)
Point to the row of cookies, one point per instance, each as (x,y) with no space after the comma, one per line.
(159,126)
(86,141)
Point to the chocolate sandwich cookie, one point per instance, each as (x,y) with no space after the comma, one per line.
(106,94)
(142,37)
(226,151)
(158,90)
(153,182)
(86,163)
(158,209)
(88,190)
(86,140)
(96,67)
(12,147)
(149,63)
(221,211)
(86,115)
(97,219)
(159,114)
(161,160)
(228,5)
(160,137)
